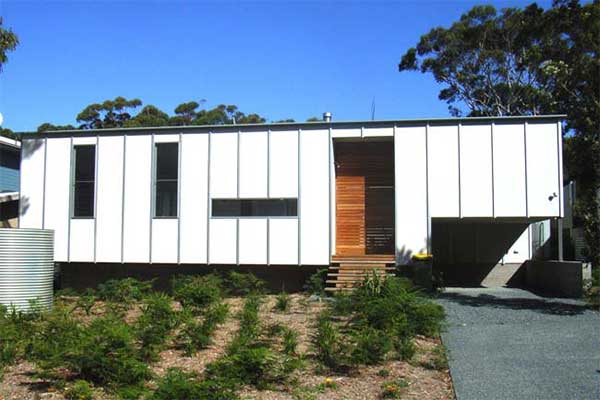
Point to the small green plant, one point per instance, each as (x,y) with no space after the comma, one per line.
(315,284)
(384,373)
(405,348)
(124,290)
(393,389)
(290,341)
(371,346)
(198,291)
(283,301)
(79,390)
(592,289)
(328,383)
(154,325)
(437,360)
(342,304)
(179,385)
(196,335)
(243,283)
(86,302)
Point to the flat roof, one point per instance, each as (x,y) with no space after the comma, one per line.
(299,125)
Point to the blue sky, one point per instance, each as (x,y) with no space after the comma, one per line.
(279,59)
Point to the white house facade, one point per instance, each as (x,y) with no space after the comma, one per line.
(286,194)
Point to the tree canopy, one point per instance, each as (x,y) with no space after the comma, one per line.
(8,42)
(525,62)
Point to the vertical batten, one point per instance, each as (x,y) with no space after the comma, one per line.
(71,193)
(44,183)
(208,200)
(526,170)
(460,211)
(329,199)
(179,181)
(152,195)
(97,154)
(561,211)
(32,181)
(492,159)
(123,197)
(299,204)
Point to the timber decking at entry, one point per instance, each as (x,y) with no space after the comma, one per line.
(346,271)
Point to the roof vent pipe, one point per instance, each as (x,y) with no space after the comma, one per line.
(327,116)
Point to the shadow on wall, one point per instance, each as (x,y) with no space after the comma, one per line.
(465,253)
(29,147)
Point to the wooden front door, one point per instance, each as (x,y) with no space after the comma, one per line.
(364,187)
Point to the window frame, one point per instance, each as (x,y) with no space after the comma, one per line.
(155,181)
(73,181)
(212,216)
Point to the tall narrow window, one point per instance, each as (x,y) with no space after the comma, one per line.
(165,204)
(84,181)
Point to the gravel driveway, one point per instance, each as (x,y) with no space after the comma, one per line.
(511,344)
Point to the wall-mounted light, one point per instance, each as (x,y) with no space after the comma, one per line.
(550,198)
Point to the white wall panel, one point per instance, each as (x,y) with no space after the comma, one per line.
(346,133)
(58,166)
(283,241)
(253,241)
(284,164)
(223,165)
(509,170)
(166,138)
(314,197)
(378,132)
(411,192)
(138,169)
(476,171)
(32,183)
(193,202)
(109,199)
(443,171)
(223,236)
(542,170)
(253,164)
(164,240)
(82,240)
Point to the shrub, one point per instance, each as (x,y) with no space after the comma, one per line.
(371,346)
(384,373)
(155,323)
(179,385)
(342,304)
(13,331)
(107,355)
(79,390)
(123,290)
(405,348)
(315,284)
(283,301)
(249,319)
(592,289)
(198,335)
(330,347)
(243,283)
(198,291)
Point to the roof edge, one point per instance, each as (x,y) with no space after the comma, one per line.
(358,123)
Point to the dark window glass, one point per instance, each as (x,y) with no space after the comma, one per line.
(84,181)
(166,180)
(255,208)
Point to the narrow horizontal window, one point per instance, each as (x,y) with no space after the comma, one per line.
(166,180)
(255,208)
(84,181)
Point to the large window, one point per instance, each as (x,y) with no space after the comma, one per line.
(254,208)
(166,180)
(84,181)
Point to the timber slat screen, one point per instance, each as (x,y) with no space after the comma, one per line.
(364,198)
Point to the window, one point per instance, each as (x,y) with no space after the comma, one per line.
(255,208)
(84,181)
(166,180)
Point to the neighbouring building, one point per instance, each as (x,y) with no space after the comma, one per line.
(10,155)
(296,194)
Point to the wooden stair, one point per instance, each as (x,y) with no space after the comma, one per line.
(346,272)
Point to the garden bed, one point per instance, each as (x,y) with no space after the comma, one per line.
(423,376)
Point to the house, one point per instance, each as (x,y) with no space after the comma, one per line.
(10,153)
(296,194)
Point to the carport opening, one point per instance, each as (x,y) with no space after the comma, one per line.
(479,253)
